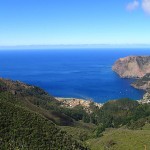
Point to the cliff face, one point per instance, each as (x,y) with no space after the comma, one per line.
(143,83)
(132,66)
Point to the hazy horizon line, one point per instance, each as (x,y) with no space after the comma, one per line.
(57,46)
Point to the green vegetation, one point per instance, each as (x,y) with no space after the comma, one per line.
(120,112)
(77,113)
(121,139)
(37,100)
(81,131)
(25,126)
(30,118)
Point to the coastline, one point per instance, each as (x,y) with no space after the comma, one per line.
(71,102)
(135,67)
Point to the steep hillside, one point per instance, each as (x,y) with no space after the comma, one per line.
(21,128)
(143,83)
(36,99)
(32,113)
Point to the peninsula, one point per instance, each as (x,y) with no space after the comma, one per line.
(137,67)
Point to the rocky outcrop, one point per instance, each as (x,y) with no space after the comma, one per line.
(135,67)
(143,83)
(132,66)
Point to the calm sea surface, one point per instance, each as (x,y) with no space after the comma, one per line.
(76,73)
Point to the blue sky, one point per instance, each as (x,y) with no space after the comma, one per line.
(44,22)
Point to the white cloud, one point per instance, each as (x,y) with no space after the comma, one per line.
(133,5)
(146,6)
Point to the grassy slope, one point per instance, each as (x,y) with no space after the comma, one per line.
(122,139)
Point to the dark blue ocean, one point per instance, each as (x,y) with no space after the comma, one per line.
(84,73)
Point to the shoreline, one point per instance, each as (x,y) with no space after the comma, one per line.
(73,102)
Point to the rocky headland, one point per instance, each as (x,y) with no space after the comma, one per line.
(142,83)
(135,67)
(132,66)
